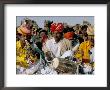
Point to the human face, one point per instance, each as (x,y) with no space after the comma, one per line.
(57,36)
(42,34)
(90,38)
(43,37)
(81,35)
(85,38)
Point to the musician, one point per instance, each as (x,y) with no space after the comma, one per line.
(44,38)
(57,45)
(85,49)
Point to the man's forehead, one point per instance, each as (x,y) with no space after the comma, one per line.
(42,32)
(56,32)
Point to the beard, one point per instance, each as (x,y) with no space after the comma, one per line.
(57,39)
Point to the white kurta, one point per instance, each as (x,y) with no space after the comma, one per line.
(58,48)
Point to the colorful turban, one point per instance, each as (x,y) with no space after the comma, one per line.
(69,35)
(56,27)
(23,30)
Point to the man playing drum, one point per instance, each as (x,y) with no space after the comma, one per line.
(57,45)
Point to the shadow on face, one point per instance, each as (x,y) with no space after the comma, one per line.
(57,36)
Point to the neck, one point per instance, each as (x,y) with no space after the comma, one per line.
(58,40)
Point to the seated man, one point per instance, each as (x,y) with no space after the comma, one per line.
(57,45)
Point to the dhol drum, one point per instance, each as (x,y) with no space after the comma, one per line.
(64,66)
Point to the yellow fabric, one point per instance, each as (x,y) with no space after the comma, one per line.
(84,48)
(21,54)
(18,44)
(22,61)
(78,56)
(20,31)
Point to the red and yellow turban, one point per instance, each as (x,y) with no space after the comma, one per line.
(56,27)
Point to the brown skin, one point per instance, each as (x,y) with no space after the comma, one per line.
(92,44)
(85,38)
(89,37)
(42,34)
(22,39)
(84,31)
(57,36)
(77,32)
(48,55)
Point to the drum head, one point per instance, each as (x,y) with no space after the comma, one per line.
(55,62)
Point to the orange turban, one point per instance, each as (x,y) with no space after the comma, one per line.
(23,30)
(56,27)
(69,35)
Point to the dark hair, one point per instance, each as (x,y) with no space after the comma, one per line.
(31,26)
(27,21)
(67,29)
(43,31)
(84,27)
(85,35)
(61,33)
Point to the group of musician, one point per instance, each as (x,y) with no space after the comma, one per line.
(35,44)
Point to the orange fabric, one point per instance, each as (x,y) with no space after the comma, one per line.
(69,35)
(23,30)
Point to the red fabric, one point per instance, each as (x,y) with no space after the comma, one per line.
(44,38)
(85,60)
(56,27)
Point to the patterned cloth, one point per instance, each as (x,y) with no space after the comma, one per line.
(56,27)
(84,48)
(23,56)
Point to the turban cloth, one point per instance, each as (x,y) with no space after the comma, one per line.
(90,30)
(69,35)
(56,27)
(23,30)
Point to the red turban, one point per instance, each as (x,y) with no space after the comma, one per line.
(56,27)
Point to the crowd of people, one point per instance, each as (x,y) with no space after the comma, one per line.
(42,50)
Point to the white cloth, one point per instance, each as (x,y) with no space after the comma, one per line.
(75,47)
(92,55)
(48,71)
(20,70)
(53,46)
(31,70)
(57,48)
(67,53)
(90,30)
(87,69)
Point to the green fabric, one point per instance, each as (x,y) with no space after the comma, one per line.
(39,51)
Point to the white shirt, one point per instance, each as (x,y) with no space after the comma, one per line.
(58,48)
